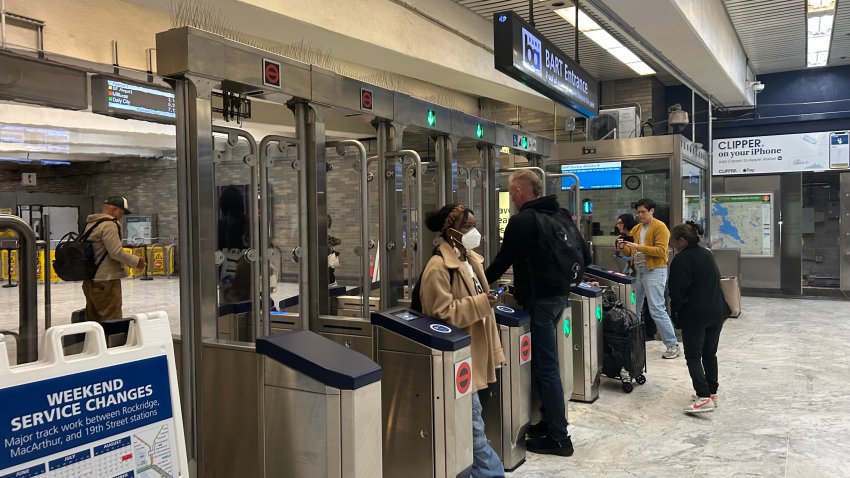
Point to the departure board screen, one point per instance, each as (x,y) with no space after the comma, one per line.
(133,100)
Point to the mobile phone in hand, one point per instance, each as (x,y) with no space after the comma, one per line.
(499,292)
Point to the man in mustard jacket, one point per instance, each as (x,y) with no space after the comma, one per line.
(651,238)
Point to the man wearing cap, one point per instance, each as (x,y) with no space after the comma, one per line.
(103,293)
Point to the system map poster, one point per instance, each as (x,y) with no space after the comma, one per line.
(743,221)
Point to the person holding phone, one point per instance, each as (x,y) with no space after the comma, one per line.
(649,256)
(460,298)
(624,225)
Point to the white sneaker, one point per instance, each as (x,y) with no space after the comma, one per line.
(714,399)
(701,405)
(671,353)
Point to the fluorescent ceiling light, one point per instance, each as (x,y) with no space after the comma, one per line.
(820,5)
(819,23)
(641,68)
(603,39)
(623,54)
(592,30)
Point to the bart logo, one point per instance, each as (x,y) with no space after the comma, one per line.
(532,49)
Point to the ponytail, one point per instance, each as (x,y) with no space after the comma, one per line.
(689,231)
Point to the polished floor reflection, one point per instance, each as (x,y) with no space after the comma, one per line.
(785,399)
(784,411)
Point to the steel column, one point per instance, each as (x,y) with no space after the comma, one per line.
(490,160)
(389,198)
(313,214)
(197,226)
(709,171)
(46,267)
(445,153)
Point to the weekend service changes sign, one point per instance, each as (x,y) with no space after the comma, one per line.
(110,421)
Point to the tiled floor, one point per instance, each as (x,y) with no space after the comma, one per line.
(785,410)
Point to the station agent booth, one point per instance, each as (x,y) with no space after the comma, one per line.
(616,173)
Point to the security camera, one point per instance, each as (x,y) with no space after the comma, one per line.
(757,86)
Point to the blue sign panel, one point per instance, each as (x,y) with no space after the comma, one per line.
(71,412)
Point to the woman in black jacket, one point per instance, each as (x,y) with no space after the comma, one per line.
(699,309)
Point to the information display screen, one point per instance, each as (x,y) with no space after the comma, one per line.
(133,100)
(593,175)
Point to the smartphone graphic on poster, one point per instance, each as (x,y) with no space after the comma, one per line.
(839,150)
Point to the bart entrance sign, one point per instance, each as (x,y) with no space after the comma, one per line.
(522,53)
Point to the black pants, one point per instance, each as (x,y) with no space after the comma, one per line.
(701,355)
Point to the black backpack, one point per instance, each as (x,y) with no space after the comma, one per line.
(564,253)
(415,299)
(75,255)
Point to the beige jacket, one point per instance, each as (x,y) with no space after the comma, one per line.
(107,239)
(460,305)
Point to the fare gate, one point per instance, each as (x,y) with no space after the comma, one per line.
(321,409)
(586,308)
(507,402)
(426,396)
(620,283)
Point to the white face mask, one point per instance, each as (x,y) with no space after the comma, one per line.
(471,239)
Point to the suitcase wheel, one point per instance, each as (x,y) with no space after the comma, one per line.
(640,379)
(628,387)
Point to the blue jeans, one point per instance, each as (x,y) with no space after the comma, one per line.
(545,367)
(485,461)
(651,284)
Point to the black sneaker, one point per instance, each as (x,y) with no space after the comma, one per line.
(548,446)
(538,430)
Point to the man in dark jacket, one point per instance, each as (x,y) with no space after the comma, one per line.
(543,300)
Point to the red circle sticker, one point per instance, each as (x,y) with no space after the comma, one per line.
(365,99)
(271,73)
(463,378)
(525,348)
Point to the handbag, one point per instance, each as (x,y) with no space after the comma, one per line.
(333,260)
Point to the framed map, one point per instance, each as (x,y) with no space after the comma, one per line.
(743,221)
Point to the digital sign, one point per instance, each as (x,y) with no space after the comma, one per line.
(522,53)
(132,100)
(594,175)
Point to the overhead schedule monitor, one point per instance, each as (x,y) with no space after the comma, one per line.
(522,53)
(594,175)
(132,100)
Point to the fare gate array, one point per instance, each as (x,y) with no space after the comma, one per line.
(426,396)
(585,301)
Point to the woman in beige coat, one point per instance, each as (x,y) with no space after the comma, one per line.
(460,298)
